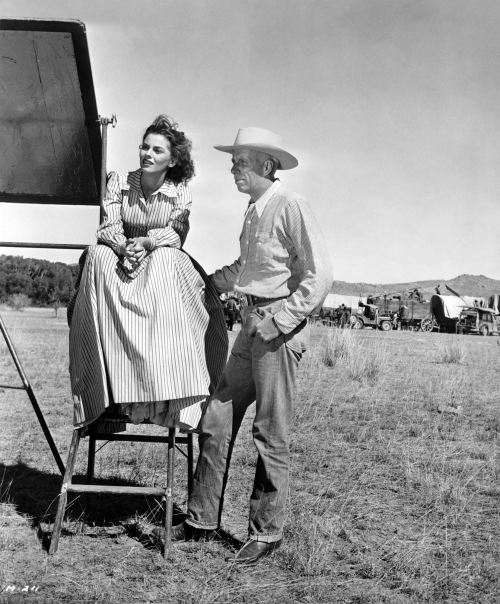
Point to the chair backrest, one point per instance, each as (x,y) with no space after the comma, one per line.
(49,125)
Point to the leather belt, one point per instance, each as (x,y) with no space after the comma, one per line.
(253,300)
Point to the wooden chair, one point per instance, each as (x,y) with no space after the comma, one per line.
(58,123)
(95,435)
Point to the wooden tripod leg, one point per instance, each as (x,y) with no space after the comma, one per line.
(63,497)
(168,494)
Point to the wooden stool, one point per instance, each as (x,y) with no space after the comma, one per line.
(94,436)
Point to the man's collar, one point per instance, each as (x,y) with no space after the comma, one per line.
(261,203)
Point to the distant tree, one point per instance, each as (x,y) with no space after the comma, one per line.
(54,287)
(18,301)
(3,283)
(47,283)
(18,283)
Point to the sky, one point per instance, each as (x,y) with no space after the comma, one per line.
(392,108)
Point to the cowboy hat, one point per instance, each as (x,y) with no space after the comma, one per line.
(265,141)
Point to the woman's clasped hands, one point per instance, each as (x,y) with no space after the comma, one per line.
(134,250)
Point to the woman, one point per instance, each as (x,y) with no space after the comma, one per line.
(147,332)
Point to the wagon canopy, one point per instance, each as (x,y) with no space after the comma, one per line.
(448,307)
(336,301)
(494,303)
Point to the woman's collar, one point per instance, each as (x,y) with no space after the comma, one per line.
(168,188)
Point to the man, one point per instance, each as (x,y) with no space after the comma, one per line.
(285,272)
(231,312)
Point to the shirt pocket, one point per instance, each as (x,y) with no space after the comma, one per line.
(269,249)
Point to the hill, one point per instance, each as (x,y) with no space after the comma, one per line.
(465,285)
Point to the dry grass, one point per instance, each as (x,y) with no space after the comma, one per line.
(451,350)
(363,360)
(339,346)
(390,501)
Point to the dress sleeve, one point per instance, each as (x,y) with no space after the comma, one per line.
(175,232)
(110,231)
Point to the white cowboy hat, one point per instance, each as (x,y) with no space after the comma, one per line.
(260,139)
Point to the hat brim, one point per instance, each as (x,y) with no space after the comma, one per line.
(287,160)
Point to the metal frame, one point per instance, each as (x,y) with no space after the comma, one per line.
(97,133)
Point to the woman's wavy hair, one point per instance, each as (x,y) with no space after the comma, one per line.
(180,148)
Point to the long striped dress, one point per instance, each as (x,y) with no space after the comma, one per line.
(151,340)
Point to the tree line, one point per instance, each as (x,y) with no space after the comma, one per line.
(30,281)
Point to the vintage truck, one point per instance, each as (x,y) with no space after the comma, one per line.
(482,321)
(369,315)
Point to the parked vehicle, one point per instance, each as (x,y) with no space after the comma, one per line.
(371,317)
(483,321)
(446,310)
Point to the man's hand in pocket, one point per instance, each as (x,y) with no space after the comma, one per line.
(267,330)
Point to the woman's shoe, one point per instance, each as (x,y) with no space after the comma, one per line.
(186,532)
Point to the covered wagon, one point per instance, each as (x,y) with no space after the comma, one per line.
(334,304)
(446,309)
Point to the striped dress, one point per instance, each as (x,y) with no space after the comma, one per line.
(151,340)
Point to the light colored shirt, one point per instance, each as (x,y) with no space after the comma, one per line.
(282,254)
(164,217)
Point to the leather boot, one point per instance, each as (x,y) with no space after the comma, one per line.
(253,551)
(186,532)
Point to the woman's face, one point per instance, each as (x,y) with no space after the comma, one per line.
(155,154)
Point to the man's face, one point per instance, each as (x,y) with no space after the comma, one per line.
(248,173)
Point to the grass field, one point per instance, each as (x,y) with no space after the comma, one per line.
(395,492)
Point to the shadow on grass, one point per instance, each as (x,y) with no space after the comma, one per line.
(35,494)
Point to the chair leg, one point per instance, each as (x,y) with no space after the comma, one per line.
(190,462)
(168,494)
(91,461)
(63,497)
(90,470)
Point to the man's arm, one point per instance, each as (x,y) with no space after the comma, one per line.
(302,231)
(225,278)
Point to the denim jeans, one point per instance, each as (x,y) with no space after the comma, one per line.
(265,373)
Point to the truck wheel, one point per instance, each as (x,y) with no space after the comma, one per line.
(483,330)
(385,326)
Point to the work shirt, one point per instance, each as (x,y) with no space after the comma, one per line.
(282,255)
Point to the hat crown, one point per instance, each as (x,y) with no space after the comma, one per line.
(257,136)
(265,141)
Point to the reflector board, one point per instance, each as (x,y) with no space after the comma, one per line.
(49,130)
